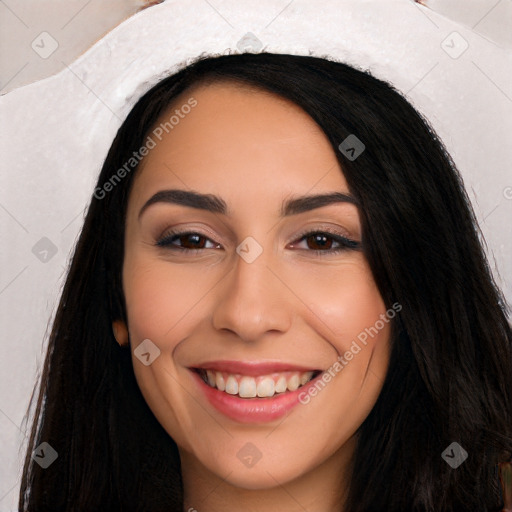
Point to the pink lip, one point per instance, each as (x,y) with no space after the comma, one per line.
(253,369)
(252,410)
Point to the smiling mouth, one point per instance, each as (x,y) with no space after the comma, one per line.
(263,386)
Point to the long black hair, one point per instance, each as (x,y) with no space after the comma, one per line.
(450,373)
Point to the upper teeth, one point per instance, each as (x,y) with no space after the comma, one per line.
(262,386)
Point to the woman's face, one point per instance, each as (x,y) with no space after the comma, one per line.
(247,263)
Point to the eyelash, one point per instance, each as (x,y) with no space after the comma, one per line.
(344,243)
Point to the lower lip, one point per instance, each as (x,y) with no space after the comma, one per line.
(252,410)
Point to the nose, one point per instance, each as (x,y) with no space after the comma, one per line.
(252,301)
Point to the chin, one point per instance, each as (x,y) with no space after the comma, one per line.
(264,477)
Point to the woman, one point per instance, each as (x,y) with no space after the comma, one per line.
(278,301)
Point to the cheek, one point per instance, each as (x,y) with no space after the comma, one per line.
(346,309)
(345,301)
(159,297)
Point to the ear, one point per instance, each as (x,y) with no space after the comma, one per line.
(120,332)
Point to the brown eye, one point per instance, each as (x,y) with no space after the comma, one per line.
(319,241)
(187,241)
(191,241)
(324,242)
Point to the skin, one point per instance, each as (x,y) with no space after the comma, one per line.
(293,304)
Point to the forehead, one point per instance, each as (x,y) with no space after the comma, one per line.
(239,137)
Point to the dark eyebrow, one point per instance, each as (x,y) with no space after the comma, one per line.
(306,203)
(215,204)
(207,202)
